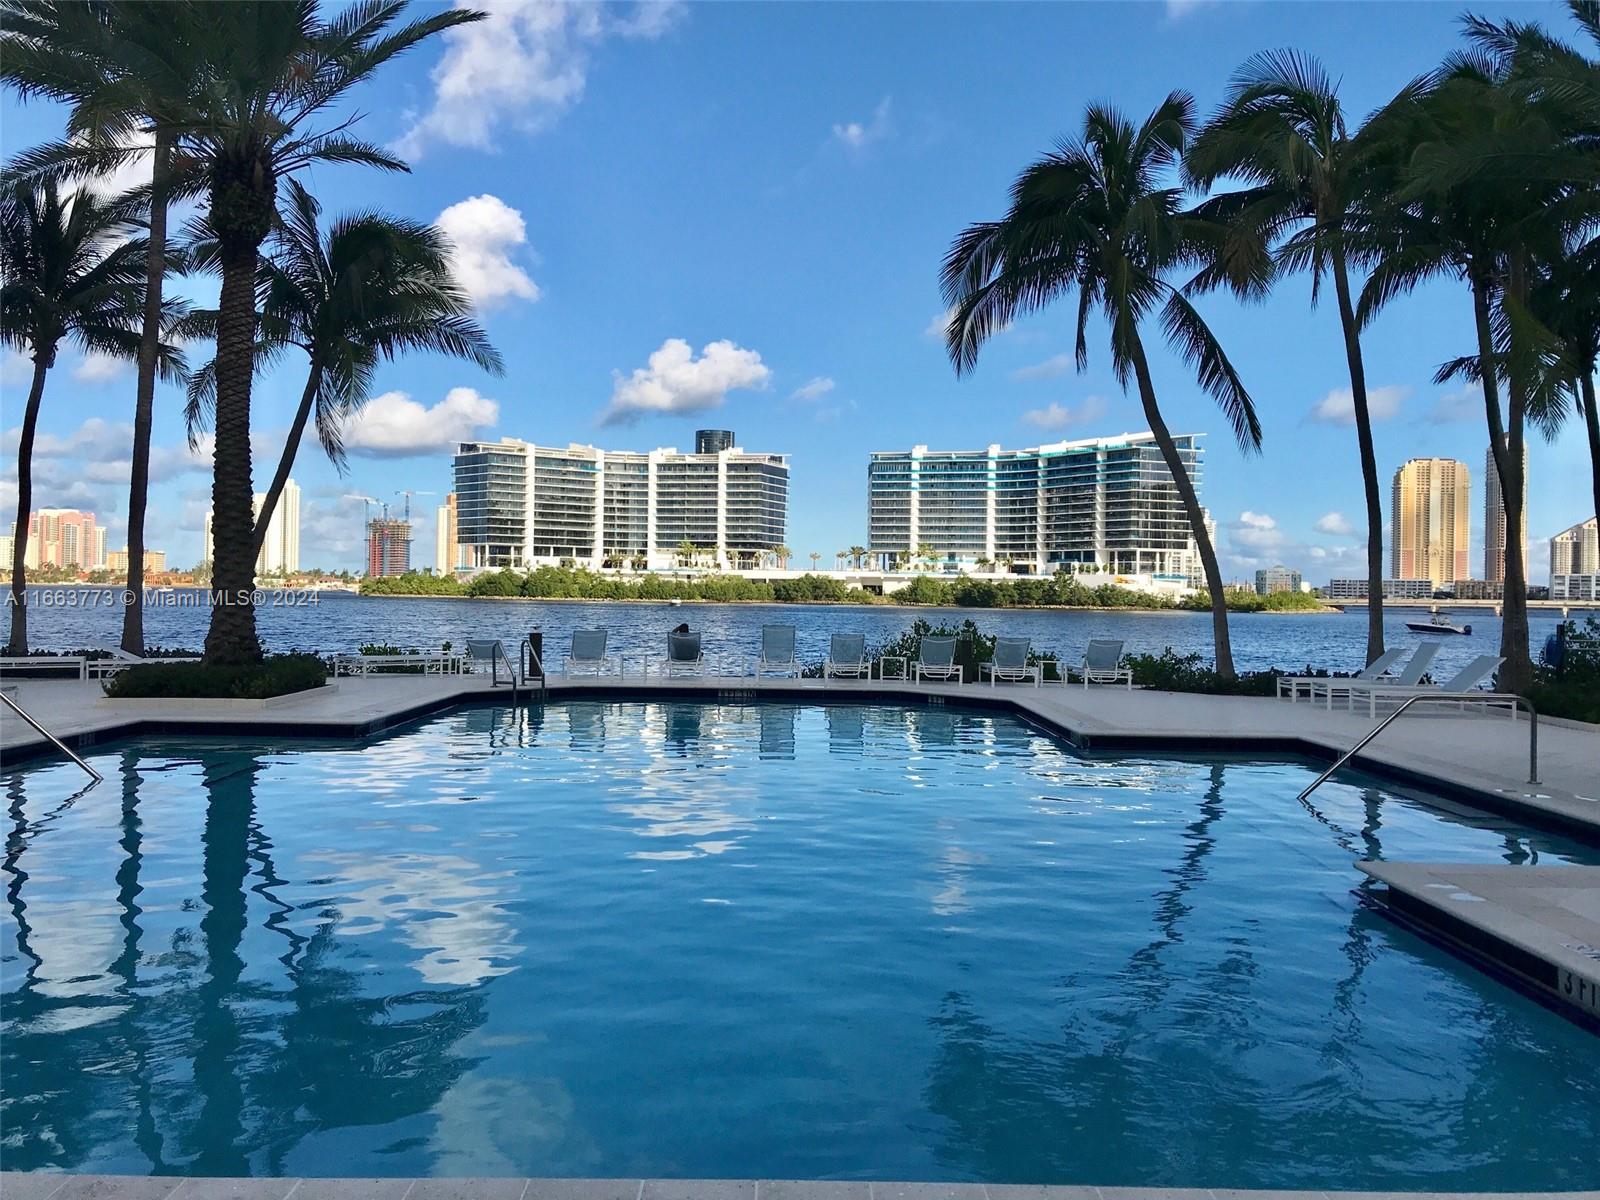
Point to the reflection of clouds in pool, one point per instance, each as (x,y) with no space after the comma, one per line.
(491,1126)
(441,904)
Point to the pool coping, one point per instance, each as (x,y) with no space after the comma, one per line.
(51,1185)
(725,690)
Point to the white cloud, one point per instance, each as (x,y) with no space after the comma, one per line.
(678,382)
(816,389)
(1059,416)
(485,231)
(16,369)
(1463,405)
(858,135)
(1335,523)
(1338,407)
(394,425)
(1255,540)
(1178,9)
(100,368)
(524,65)
(939,326)
(1053,367)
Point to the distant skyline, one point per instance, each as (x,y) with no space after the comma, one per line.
(732,216)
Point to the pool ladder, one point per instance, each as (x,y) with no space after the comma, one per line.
(1465,698)
(94,775)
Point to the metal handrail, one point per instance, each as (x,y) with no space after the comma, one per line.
(53,739)
(1466,697)
(529,657)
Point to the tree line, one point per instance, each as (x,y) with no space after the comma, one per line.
(1483,171)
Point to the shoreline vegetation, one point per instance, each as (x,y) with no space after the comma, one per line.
(923,591)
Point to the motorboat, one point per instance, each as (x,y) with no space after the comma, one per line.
(1438,623)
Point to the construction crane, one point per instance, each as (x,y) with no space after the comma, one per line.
(408,493)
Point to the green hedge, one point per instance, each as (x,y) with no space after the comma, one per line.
(1170,671)
(274,676)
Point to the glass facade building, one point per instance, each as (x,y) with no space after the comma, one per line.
(520,504)
(1109,503)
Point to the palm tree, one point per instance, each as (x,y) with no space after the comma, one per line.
(926,553)
(267,70)
(68,272)
(1091,217)
(1282,131)
(858,555)
(373,287)
(123,69)
(816,557)
(1481,192)
(784,554)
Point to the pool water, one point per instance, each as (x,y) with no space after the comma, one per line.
(766,940)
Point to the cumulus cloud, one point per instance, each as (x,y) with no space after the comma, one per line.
(1338,407)
(858,135)
(524,66)
(485,232)
(1255,540)
(100,368)
(1053,367)
(815,389)
(1059,416)
(678,382)
(394,425)
(1463,405)
(1335,523)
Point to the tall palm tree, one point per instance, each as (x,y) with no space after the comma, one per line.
(1484,191)
(272,70)
(123,69)
(1093,218)
(1282,131)
(68,272)
(372,287)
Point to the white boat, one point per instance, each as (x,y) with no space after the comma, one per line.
(1438,623)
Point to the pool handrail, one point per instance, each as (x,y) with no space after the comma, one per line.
(52,738)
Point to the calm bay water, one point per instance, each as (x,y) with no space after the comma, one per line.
(334,622)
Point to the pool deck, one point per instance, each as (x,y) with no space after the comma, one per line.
(1542,924)
(1480,757)
(18,1185)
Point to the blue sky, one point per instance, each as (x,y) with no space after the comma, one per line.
(733,215)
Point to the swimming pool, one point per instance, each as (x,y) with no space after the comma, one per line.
(678,939)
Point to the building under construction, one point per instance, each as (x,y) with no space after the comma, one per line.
(388,546)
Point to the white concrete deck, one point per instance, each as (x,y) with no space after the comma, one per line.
(1542,923)
(1481,755)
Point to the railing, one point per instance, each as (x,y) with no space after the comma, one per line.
(532,666)
(52,738)
(1466,698)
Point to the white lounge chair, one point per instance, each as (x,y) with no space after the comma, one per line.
(847,657)
(588,653)
(1291,685)
(1102,663)
(777,651)
(1011,663)
(936,660)
(493,652)
(1416,667)
(683,655)
(1459,684)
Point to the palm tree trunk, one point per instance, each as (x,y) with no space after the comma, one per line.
(1517,670)
(17,644)
(1516,673)
(297,430)
(1369,461)
(1191,506)
(1591,419)
(232,635)
(144,396)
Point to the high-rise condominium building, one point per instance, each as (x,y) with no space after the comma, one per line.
(388,546)
(1432,528)
(1107,502)
(446,551)
(519,504)
(712,441)
(65,537)
(280,551)
(155,561)
(1494,519)
(1576,551)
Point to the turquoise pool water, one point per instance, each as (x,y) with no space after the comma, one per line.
(764,940)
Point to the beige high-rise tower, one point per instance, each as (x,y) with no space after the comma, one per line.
(1494,519)
(1432,528)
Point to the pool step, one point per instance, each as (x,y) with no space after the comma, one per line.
(1540,924)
